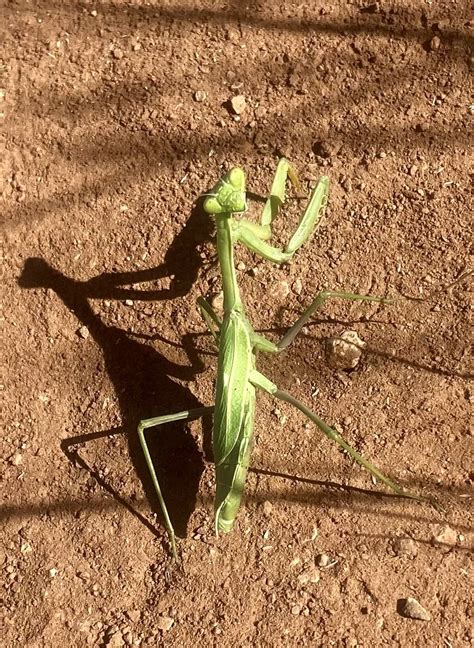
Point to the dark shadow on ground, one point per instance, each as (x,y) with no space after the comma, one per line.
(319,493)
(412,23)
(181,262)
(143,381)
(119,100)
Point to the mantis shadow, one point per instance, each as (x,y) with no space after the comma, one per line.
(143,379)
(181,263)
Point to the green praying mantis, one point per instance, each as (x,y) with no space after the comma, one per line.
(238,378)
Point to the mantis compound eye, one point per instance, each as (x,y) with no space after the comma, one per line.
(236,178)
(228,196)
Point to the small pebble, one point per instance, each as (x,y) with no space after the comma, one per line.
(297,286)
(411,609)
(267,508)
(255,271)
(17,459)
(83,332)
(323,560)
(295,610)
(200,96)
(134,615)
(405,547)
(53,572)
(435,43)
(309,575)
(238,104)
(345,351)
(128,302)
(232,35)
(117,53)
(279,290)
(445,536)
(164,623)
(217,302)
(413,170)
(115,640)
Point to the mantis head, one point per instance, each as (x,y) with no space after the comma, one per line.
(228,196)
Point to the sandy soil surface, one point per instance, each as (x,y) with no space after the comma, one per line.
(115,117)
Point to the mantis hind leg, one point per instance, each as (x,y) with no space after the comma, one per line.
(186,415)
(259,380)
(335,436)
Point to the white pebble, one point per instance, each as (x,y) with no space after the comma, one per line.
(83,332)
(165,623)
(345,351)
(238,104)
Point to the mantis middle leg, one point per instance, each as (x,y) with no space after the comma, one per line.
(262,344)
(260,381)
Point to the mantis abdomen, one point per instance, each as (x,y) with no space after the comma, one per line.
(233,418)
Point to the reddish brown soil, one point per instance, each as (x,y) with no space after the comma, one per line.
(107,148)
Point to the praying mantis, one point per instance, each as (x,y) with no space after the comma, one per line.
(238,378)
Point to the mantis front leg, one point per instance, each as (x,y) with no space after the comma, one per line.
(255,236)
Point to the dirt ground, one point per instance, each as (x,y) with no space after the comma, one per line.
(116,116)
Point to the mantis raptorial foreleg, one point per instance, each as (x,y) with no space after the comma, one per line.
(250,235)
(255,236)
(277,192)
